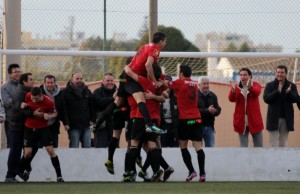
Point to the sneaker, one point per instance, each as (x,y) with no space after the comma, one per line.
(191,176)
(144,175)
(24,175)
(109,166)
(202,178)
(11,180)
(167,173)
(129,176)
(139,161)
(156,176)
(60,179)
(154,129)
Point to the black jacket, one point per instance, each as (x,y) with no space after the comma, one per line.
(78,110)
(17,116)
(102,98)
(276,101)
(206,116)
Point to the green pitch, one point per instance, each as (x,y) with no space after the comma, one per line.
(157,188)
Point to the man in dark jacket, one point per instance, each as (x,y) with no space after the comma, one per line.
(50,89)
(16,124)
(280,95)
(209,108)
(78,112)
(103,96)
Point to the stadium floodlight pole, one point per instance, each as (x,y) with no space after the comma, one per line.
(104,36)
(152,18)
(295,70)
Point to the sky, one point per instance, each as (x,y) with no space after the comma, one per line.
(264,21)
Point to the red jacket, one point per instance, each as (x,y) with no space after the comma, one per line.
(255,122)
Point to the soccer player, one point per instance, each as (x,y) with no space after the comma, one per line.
(141,64)
(189,127)
(36,128)
(138,133)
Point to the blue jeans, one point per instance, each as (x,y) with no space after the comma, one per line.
(82,135)
(208,136)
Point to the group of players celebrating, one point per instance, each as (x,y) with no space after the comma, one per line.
(142,88)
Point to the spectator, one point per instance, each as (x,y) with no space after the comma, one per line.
(247,117)
(16,117)
(50,89)
(2,113)
(209,109)
(280,95)
(103,96)
(78,112)
(169,119)
(7,91)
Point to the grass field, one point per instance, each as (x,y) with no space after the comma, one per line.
(157,188)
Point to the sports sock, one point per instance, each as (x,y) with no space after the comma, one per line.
(56,165)
(163,162)
(155,159)
(127,162)
(108,111)
(112,147)
(201,161)
(144,111)
(25,164)
(146,163)
(133,156)
(187,159)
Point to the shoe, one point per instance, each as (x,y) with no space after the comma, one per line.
(139,161)
(191,176)
(202,178)
(129,176)
(154,129)
(60,179)
(167,173)
(144,175)
(109,166)
(156,176)
(24,175)
(11,180)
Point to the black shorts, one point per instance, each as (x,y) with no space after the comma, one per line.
(139,133)
(190,129)
(128,86)
(43,135)
(120,116)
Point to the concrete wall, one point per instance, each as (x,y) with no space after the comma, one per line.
(222,164)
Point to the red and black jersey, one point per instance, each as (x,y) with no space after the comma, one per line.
(46,106)
(138,62)
(152,105)
(186,91)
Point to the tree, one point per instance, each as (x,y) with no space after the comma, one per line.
(231,48)
(244,48)
(175,40)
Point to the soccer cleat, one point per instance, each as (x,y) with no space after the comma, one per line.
(191,176)
(202,178)
(60,179)
(109,166)
(144,175)
(154,129)
(129,176)
(24,175)
(156,176)
(167,173)
(139,161)
(11,180)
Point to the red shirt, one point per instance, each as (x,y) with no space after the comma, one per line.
(138,62)
(133,106)
(152,105)
(186,91)
(46,106)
